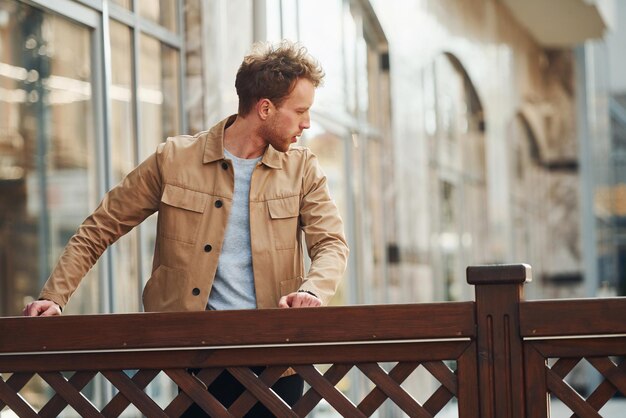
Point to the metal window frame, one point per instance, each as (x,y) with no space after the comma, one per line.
(91,19)
(95,14)
(80,14)
(67,8)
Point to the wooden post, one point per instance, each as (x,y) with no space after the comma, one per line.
(499,289)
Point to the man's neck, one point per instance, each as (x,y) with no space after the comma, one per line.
(242,140)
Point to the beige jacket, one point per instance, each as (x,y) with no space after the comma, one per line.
(190,183)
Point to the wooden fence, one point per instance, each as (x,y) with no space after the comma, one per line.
(490,356)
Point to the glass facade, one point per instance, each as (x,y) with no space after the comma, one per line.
(85,95)
(73,147)
(48,168)
(452,120)
(71,131)
(141,103)
(123,157)
(113,92)
(347,133)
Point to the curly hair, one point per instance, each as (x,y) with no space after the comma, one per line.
(271,71)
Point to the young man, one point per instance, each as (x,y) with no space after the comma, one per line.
(233,204)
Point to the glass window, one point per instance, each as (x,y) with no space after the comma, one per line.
(158,94)
(273,20)
(362,75)
(326,46)
(350,59)
(377,81)
(376,218)
(47,167)
(456,149)
(330,151)
(290,12)
(126,286)
(121,93)
(162,12)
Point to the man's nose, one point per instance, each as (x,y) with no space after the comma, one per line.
(306,123)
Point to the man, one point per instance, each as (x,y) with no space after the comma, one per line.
(233,204)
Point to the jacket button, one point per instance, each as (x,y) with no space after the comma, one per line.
(195,291)
(225,165)
(207,248)
(218,203)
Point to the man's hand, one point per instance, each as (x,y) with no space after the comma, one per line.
(299,300)
(42,308)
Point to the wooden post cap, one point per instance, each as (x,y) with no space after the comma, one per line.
(499,274)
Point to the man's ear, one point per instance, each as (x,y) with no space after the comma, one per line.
(264,107)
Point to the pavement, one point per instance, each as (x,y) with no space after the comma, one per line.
(615,408)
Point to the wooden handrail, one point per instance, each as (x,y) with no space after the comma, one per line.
(573,317)
(244,327)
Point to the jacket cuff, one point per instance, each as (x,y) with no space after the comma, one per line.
(309,292)
(53,298)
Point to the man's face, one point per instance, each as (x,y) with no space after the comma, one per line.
(285,123)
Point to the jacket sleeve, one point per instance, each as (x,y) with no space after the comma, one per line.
(122,208)
(324,233)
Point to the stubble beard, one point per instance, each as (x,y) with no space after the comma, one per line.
(269,133)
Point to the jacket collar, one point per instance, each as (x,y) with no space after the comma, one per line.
(272,158)
(214,146)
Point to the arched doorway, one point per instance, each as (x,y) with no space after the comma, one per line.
(455,127)
(545,209)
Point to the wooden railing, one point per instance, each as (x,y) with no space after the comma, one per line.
(489,356)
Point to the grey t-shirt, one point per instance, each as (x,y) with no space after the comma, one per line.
(233,287)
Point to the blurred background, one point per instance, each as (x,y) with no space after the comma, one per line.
(452,132)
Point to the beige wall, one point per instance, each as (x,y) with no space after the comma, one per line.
(509,70)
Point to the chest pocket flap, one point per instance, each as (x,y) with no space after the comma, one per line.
(284,208)
(184,198)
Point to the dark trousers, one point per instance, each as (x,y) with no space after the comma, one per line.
(227,389)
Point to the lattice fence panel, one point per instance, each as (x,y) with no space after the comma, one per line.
(323,383)
(564,377)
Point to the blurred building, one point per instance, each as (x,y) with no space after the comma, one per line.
(452,132)
(500,142)
(615,195)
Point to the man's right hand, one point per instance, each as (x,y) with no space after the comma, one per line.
(42,308)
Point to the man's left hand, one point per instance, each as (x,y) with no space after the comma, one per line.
(299,300)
